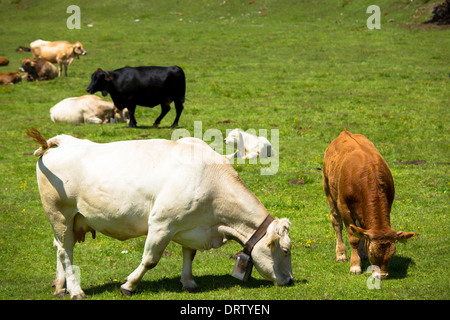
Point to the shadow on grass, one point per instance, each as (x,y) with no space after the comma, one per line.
(205,284)
(124,126)
(398,266)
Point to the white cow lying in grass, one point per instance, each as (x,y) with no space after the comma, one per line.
(87,109)
(180,191)
(248,146)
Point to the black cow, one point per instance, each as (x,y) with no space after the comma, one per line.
(144,86)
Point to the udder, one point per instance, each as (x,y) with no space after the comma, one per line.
(80,228)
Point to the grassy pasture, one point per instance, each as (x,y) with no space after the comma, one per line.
(305,68)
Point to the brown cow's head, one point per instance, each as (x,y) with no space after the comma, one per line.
(380,246)
(78,49)
(27,65)
(16,77)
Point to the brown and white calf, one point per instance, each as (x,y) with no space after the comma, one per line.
(10,77)
(360,190)
(38,70)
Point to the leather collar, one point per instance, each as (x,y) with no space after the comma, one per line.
(259,233)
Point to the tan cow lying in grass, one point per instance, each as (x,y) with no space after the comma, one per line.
(87,109)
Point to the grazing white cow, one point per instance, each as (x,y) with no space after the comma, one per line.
(248,146)
(180,191)
(87,109)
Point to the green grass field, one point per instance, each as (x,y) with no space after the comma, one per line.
(306,68)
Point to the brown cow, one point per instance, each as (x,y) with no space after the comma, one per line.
(61,52)
(360,191)
(4,61)
(10,77)
(38,69)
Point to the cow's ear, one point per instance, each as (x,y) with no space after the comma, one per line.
(109,76)
(404,236)
(359,232)
(272,234)
(99,70)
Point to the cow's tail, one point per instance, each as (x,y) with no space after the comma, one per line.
(182,83)
(44,144)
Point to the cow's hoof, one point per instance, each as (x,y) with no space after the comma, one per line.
(126,292)
(355,270)
(191,289)
(189,286)
(60,293)
(79,296)
(341,258)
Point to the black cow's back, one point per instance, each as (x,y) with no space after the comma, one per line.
(150,86)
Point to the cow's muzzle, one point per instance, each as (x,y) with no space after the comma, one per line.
(289,281)
(380,275)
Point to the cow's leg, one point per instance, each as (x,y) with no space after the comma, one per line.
(165,107)
(251,155)
(59,68)
(95,120)
(187,279)
(361,250)
(60,279)
(179,108)
(355,261)
(67,63)
(65,241)
(336,222)
(158,238)
(232,156)
(131,110)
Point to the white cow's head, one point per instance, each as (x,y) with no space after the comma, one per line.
(233,137)
(272,254)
